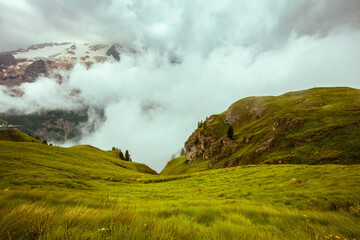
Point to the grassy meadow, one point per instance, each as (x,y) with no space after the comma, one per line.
(81,192)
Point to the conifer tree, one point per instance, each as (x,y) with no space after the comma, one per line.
(121,155)
(127,156)
(230,132)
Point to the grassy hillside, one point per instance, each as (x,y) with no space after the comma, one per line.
(32,163)
(16,136)
(84,193)
(315,126)
(181,166)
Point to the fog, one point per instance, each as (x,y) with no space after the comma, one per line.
(226,50)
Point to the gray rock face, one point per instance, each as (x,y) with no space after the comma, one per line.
(114,52)
(206,146)
(7,60)
(37,68)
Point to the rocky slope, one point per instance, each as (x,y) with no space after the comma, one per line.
(55,126)
(26,65)
(315,126)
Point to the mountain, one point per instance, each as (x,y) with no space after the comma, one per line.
(314,126)
(48,59)
(56,61)
(26,65)
(55,126)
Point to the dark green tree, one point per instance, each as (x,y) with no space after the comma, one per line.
(121,155)
(230,132)
(127,156)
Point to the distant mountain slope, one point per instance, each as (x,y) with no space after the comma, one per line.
(315,126)
(46,59)
(34,163)
(56,61)
(51,125)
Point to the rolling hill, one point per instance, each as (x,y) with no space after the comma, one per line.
(25,161)
(314,126)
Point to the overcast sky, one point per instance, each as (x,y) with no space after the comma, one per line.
(230,49)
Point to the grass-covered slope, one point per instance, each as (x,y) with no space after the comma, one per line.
(35,164)
(249,202)
(180,165)
(81,192)
(16,136)
(314,126)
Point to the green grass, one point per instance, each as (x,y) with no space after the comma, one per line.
(180,166)
(252,202)
(80,193)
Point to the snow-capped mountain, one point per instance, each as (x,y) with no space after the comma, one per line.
(25,65)
(52,60)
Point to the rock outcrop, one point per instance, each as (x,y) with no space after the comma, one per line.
(203,144)
(200,144)
(117,49)
(37,68)
(7,60)
(114,52)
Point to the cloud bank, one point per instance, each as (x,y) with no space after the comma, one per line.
(229,50)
